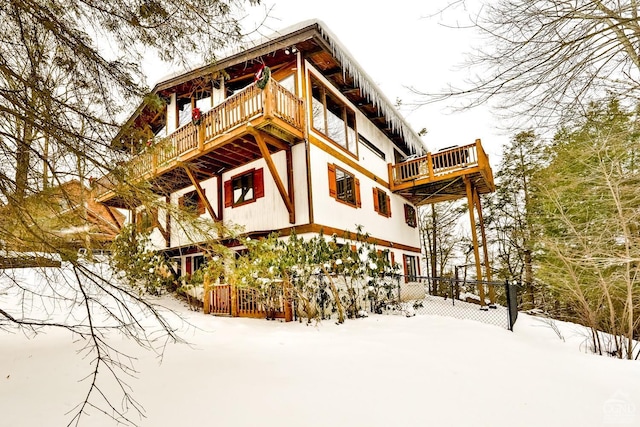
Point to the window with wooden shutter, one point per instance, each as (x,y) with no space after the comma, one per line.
(228,194)
(332,181)
(344,186)
(258,182)
(410,216)
(244,188)
(381,202)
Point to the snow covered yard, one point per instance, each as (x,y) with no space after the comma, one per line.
(377,371)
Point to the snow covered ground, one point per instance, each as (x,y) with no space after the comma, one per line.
(376,371)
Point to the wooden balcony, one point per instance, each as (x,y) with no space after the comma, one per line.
(441,176)
(224,139)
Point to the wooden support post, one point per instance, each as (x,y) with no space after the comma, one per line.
(220,197)
(200,132)
(474,236)
(268,99)
(200,192)
(274,174)
(392,179)
(485,250)
(206,295)
(430,166)
(289,155)
(234,300)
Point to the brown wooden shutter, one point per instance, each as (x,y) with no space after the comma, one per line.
(393,258)
(418,264)
(357,185)
(353,248)
(258,183)
(388,206)
(333,191)
(228,194)
(181,202)
(376,205)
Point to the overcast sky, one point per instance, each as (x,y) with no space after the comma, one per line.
(400,44)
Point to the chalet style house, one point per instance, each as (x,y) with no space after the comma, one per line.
(291,135)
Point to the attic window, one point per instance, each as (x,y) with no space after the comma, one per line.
(333,118)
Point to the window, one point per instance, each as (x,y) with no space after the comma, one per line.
(411,268)
(192,202)
(381,202)
(410,216)
(198,262)
(343,186)
(333,118)
(244,188)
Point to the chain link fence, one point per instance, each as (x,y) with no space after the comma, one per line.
(409,295)
(459,298)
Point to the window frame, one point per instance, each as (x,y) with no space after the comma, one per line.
(411,265)
(347,116)
(257,185)
(333,186)
(379,196)
(410,215)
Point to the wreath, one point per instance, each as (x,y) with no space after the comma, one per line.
(262,77)
(196,116)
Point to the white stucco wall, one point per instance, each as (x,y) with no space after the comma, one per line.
(329,212)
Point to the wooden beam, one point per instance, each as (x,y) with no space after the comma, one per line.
(200,192)
(485,250)
(474,237)
(112,216)
(289,155)
(274,174)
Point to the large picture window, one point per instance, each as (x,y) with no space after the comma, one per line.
(244,188)
(344,186)
(333,118)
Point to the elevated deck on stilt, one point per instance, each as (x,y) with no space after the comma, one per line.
(442,176)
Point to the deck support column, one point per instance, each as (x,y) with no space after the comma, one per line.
(485,250)
(474,236)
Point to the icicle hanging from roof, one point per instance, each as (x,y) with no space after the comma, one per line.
(370,90)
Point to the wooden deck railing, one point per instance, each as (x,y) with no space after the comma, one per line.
(237,110)
(442,163)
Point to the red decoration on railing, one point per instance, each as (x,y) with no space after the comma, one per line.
(196,116)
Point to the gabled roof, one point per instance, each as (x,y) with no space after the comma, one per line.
(323,49)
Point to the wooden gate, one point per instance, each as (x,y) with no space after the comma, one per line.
(227,300)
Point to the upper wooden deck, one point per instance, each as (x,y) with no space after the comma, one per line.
(440,176)
(224,139)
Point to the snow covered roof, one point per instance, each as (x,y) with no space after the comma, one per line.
(298,33)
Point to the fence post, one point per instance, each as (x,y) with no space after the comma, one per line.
(510,306)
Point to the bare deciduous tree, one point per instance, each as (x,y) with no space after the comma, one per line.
(545,59)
